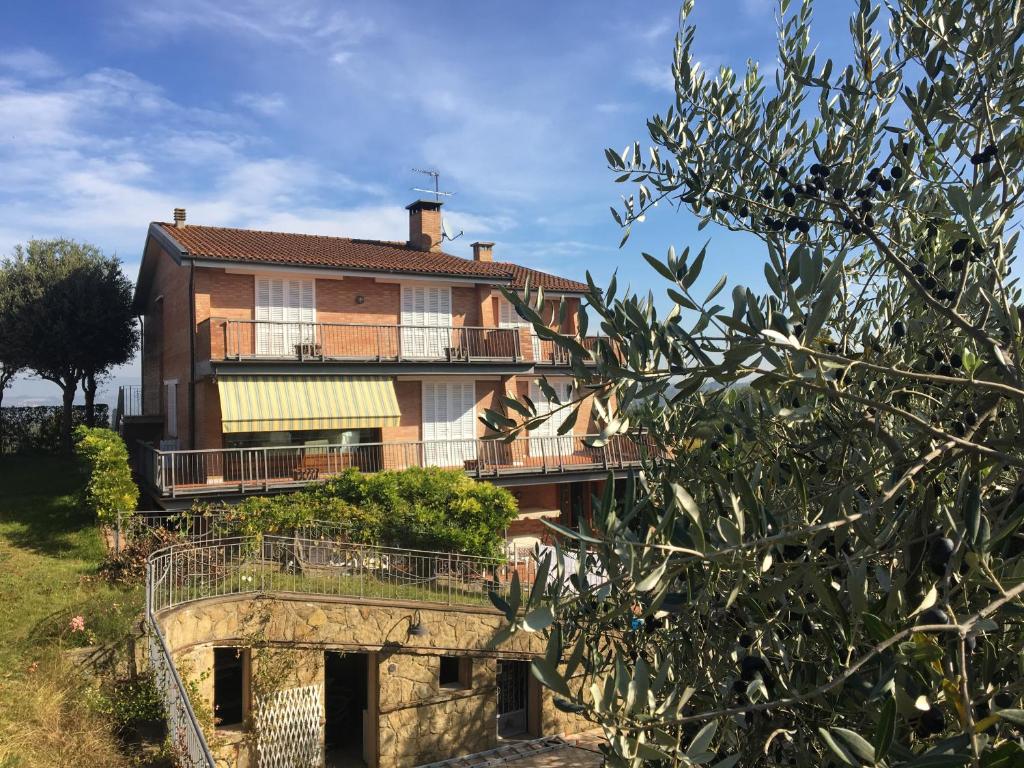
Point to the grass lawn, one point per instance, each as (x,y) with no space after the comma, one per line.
(50,549)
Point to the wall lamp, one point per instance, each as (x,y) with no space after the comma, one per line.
(360,299)
(416,628)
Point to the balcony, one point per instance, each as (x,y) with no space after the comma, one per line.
(223,471)
(276,341)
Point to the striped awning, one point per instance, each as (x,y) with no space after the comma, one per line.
(279,403)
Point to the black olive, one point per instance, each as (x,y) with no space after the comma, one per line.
(806,626)
(930,283)
(955,360)
(970,418)
(1003,700)
(991,150)
(723,205)
(865,206)
(739,686)
(804,226)
(885,184)
(750,666)
(918,269)
(727,428)
(957,265)
(959,428)
(714,445)
(873,174)
(939,552)
(863,193)
(856,228)
(869,220)
(933,721)
(791,223)
(934,616)
(977,249)
(746,640)
(939,355)
(945,370)
(789,198)
(978,158)
(899,330)
(744,211)
(961,245)
(896,172)
(798,330)
(766,193)
(823,468)
(783,172)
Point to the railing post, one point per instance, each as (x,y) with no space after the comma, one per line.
(266,472)
(174,472)
(449,578)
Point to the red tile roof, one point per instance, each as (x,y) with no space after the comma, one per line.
(249,245)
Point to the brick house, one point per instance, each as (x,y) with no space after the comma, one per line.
(271,360)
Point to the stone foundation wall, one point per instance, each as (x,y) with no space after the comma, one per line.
(413,719)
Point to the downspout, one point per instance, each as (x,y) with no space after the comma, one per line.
(192,353)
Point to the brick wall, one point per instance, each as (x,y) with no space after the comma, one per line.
(167,339)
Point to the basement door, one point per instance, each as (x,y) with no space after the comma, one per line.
(449,423)
(513,687)
(426,321)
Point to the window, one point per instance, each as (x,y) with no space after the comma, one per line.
(449,423)
(230,686)
(285,315)
(426,321)
(509,318)
(171,408)
(455,672)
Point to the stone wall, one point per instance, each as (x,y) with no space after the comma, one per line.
(413,719)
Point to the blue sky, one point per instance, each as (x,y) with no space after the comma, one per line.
(307,116)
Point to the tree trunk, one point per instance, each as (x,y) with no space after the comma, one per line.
(65,422)
(89,387)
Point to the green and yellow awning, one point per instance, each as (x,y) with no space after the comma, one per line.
(278,403)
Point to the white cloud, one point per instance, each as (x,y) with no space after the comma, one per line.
(313,25)
(29,62)
(654,74)
(267,104)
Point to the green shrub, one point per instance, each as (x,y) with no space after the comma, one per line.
(432,509)
(110,487)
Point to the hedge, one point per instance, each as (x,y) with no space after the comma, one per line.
(430,509)
(110,487)
(36,429)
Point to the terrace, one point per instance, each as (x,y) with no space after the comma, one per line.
(192,473)
(273,341)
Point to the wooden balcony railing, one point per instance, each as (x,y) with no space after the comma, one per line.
(359,342)
(252,470)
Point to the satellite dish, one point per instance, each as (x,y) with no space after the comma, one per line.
(446,232)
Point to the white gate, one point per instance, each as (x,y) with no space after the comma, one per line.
(289,729)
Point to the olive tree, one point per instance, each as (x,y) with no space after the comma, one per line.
(821,562)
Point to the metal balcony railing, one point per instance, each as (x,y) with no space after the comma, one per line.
(129,403)
(237,340)
(252,470)
(272,340)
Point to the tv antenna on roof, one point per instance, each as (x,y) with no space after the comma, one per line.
(436,192)
(446,233)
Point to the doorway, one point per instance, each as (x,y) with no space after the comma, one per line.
(346,716)
(513,684)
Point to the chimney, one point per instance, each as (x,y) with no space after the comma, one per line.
(483,251)
(179,217)
(425,225)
